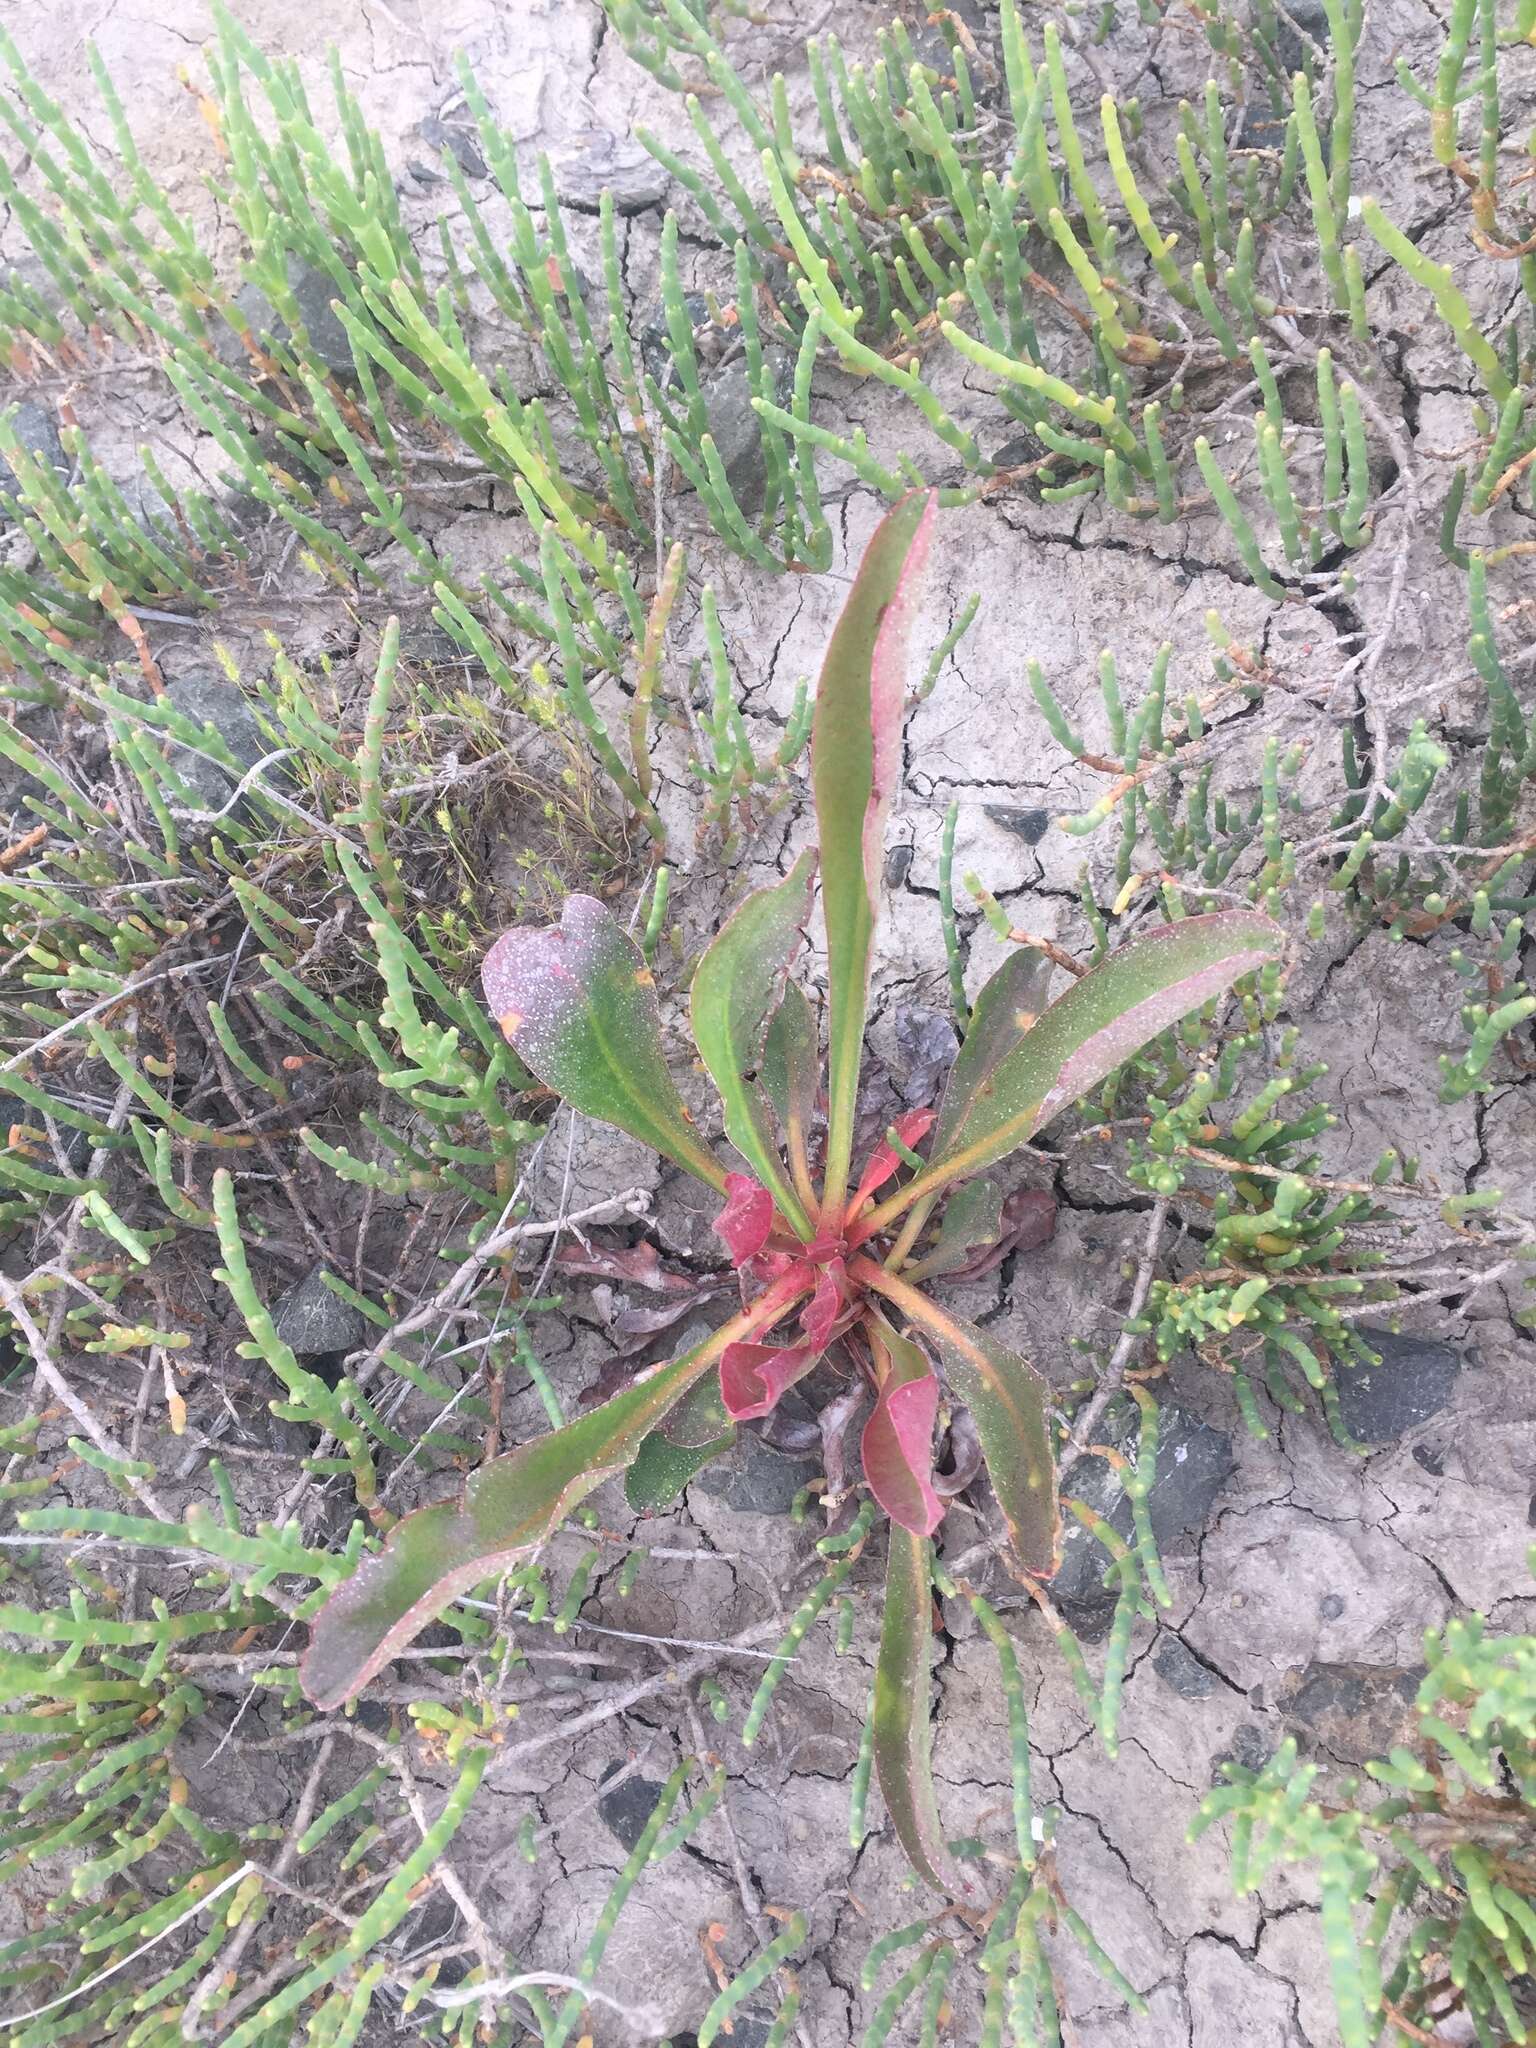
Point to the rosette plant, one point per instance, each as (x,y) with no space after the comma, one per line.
(831,1259)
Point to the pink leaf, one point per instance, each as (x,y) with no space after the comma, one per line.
(747,1218)
(911,1127)
(753,1376)
(897,1445)
(825,1305)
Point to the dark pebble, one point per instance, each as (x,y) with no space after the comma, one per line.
(1031,826)
(754,1480)
(1178,1666)
(1194,1462)
(1415,1379)
(629,1806)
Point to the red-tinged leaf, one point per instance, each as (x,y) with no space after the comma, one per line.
(912,1126)
(855,761)
(753,1376)
(1016,1071)
(1009,1403)
(902,1723)
(897,1445)
(825,1305)
(578,1005)
(746,1221)
(506,1508)
(738,987)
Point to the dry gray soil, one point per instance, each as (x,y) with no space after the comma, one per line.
(1303,1584)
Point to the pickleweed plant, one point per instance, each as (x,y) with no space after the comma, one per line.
(831,1253)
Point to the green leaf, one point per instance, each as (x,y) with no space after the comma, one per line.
(855,760)
(737,991)
(972,1220)
(903,1731)
(578,1005)
(1009,1403)
(697,1430)
(662,1468)
(1016,1071)
(507,1506)
(791,1072)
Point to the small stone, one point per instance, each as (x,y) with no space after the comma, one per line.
(609,163)
(753,1480)
(1330,1607)
(313,291)
(1355,1711)
(209,699)
(627,1809)
(734,426)
(424,640)
(458,140)
(37,431)
(655,337)
(1194,1462)
(1177,1666)
(1017,452)
(927,1042)
(1029,825)
(317,1325)
(1415,1379)
(1301,30)
(898,864)
(1251,1748)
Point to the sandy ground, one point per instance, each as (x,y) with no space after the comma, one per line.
(1307,1563)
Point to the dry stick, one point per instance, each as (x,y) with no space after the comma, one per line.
(751,1903)
(452,1884)
(631,1203)
(53,1379)
(1085,1426)
(15,2019)
(227,1962)
(125,994)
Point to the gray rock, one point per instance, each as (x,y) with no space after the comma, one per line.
(209,699)
(629,1806)
(459,139)
(1354,1711)
(1415,1379)
(1295,22)
(927,1042)
(37,431)
(313,291)
(655,338)
(1177,1666)
(1029,825)
(1251,1748)
(734,426)
(609,163)
(753,1480)
(317,1324)
(1194,1462)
